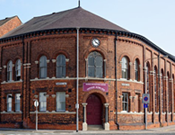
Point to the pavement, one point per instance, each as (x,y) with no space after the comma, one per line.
(167,129)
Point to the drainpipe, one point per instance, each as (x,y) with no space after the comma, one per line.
(77,104)
(22,93)
(116,92)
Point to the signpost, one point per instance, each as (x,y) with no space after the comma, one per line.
(145,98)
(36,103)
(145,101)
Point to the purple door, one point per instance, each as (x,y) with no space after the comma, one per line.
(94,110)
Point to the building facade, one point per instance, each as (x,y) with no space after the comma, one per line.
(83,70)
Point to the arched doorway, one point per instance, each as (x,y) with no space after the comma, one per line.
(94,110)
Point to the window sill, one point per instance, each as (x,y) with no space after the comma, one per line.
(53,112)
(73,78)
(53,78)
(125,112)
(4,82)
(125,80)
(11,112)
(94,78)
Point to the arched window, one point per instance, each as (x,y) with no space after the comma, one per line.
(155,89)
(18,70)
(9,71)
(95,65)
(61,66)
(43,67)
(136,63)
(125,66)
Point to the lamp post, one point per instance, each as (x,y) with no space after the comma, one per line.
(36,103)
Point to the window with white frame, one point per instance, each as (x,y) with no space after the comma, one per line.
(136,63)
(95,65)
(9,71)
(9,102)
(125,66)
(43,67)
(42,101)
(61,66)
(17,103)
(18,70)
(125,102)
(60,101)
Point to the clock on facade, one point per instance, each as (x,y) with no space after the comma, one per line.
(95,42)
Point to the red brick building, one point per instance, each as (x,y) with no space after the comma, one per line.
(77,64)
(8,24)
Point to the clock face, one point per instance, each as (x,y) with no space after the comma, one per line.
(95,42)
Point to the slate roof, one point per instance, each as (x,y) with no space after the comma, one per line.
(73,18)
(6,20)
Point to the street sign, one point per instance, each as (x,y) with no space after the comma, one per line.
(36,103)
(145,98)
(145,105)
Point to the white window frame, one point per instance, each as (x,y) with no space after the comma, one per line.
(42,102)
(125,103)
(60,101)
(61,66)
(9,71)
(17,102)
(125,68)
(43,67)
(94,55)
(9,102)
(18,70)
(136,70)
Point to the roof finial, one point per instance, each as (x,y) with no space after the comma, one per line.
(79,3)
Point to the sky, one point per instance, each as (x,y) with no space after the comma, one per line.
(153,19)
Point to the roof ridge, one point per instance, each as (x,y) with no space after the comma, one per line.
(56,12)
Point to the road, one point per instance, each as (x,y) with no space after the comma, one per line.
(170,130)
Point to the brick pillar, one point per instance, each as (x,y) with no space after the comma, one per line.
(160,97)
(141,105)
(53,63)
(130,72)
(152,95)
(131,106)
(26,84)
(166,98)
(172,98)
(140,72)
